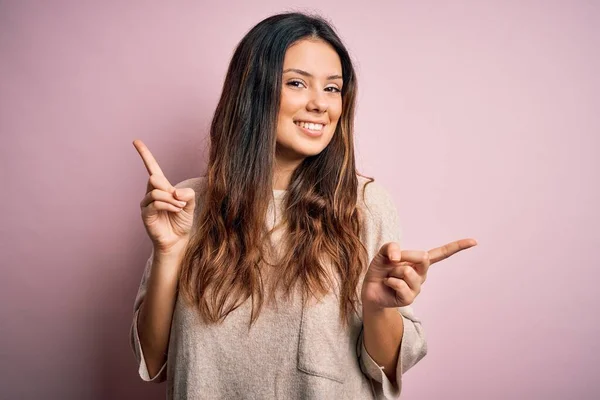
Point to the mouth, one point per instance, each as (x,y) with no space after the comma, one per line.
(309,128)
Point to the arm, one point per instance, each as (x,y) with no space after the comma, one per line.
(392,340)
(383,331)
(153,314)
(156,311)
(168,214)
(412,347)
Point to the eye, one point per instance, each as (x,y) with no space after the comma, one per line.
(333,89)
(296,83)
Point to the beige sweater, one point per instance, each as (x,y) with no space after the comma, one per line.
(292,352)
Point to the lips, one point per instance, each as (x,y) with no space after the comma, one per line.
(305,128)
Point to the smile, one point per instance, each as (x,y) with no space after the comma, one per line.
(310,126)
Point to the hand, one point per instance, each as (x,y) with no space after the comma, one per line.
(394,277)
(167,213)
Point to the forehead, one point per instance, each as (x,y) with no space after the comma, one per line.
(314,56)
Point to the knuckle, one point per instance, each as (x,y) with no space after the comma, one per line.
(406,292)
(401,286)
(407,297)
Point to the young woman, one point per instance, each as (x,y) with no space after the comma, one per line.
(278,275)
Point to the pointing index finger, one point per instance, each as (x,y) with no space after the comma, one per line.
(148,158)
(441,253)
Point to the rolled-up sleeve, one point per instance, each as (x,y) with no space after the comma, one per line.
(412,349)
(133,333)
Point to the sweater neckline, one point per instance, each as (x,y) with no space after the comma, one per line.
(279,193)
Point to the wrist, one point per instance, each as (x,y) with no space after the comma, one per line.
(376,311)
(171,252)
(167,265)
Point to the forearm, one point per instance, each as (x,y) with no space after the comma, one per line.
(382,336)
(156,311)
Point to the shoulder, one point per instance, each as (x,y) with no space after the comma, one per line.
(380,218)
(374,197)
(198,184)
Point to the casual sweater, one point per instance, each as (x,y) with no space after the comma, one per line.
(292,351)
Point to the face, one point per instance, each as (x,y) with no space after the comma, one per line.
(311,100)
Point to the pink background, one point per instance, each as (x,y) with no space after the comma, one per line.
(481,118)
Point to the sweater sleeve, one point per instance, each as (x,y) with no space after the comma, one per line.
(382,226)
(133,333)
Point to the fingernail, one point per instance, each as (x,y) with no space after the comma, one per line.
(178,193)
(395,257)
(182,203)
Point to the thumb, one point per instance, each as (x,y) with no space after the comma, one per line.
(392,251)
(188,195)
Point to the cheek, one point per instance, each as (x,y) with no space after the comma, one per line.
(335,110)
(290,104)
(284,115)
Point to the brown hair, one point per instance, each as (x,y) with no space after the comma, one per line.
(222,265)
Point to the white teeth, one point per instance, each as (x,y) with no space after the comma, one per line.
(308,125)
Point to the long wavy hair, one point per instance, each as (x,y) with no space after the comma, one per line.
(221,268)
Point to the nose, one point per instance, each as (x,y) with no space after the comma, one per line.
(317,102)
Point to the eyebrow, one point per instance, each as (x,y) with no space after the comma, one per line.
(309,75)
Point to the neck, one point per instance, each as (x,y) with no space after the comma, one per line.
(283,170)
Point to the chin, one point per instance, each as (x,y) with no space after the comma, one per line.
(309,151)
(301,147)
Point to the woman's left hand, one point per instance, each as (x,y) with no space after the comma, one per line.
(395,276)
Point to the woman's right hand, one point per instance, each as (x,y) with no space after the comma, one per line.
(167,212)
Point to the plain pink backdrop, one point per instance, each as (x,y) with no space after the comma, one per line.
(481,118)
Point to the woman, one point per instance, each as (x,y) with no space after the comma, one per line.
(279,274)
